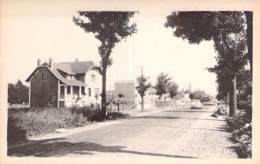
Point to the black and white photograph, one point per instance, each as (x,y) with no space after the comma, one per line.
(127,83)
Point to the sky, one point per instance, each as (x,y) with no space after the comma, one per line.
(36,30)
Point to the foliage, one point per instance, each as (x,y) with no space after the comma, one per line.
(241,126)
(109,28)
(162,84)
(173,89)
(38,121)
(120,95)
(18,93)
(199,26)
(228,31)
(201,95)
(244,84)
(142,86)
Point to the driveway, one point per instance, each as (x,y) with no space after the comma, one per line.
(171,133)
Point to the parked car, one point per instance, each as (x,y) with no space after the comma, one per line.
(196,104)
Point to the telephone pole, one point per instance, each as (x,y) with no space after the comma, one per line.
(142,70)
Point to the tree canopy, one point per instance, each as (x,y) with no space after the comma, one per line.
(18,93)
(162,84)
(108,27)
(230,32)
(196,26)
(201,95)
(142,86)
(173,89)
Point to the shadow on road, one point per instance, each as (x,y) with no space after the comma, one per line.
(189,111)
(173,117)
(60,147)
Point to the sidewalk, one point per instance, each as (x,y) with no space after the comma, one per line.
(91,126)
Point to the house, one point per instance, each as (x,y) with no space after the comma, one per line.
(64,84)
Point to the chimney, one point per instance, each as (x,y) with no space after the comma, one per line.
(38,62)
(50,62)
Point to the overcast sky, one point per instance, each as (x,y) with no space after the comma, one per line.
(37,30)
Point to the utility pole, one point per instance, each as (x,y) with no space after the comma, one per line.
(189,88)
(141,70)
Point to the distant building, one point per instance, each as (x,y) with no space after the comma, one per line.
(64,84)
(126,88)
(125,94)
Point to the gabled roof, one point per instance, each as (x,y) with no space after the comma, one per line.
(71,68)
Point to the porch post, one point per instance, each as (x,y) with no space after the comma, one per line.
(65,92)
(72,96)
(58,98)
(29,94)
(79,91)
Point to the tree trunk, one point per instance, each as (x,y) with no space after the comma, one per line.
(227,101)
(233,98)
(142,102)
(103,102)
(249,19)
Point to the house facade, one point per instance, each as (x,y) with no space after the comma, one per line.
(64,84)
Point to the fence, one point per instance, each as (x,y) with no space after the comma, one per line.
(121,104)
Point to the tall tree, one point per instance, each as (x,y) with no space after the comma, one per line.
(173,89)
(162,84)
(142,86)
(201,95)
(18,93)
(109,28)
(249,33)
(226,29)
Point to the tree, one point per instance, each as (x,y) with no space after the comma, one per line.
(244,86)
(109,28)
(173,89)
(249,41)
(227,30)
(18,93)
(142,86)
(201,95)
(162,84)
(230,61)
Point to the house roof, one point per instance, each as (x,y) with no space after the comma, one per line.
(71,68)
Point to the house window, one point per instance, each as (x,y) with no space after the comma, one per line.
(96,91)
(43,76)
(68,90)
(83,90)
(89,92)
(62,89)
(93,77)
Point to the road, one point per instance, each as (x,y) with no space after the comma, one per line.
(168,133)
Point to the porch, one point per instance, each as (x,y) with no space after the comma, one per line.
(69,95)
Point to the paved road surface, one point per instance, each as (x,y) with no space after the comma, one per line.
(176,133)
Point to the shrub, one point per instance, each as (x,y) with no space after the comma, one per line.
(91,113)
(37,121)
(14,133)
(242,132)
